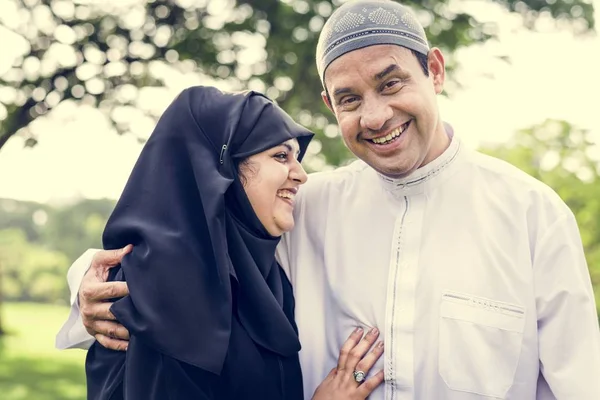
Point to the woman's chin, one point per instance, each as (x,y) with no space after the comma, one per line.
(281,226)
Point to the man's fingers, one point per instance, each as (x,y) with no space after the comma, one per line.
(348,345)
(112,344)
(103,261)
(109,258)
(102,291)
(112,290)
(90,313)
(367,387)
(111,329)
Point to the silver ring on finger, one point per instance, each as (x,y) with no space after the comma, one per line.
(359,376)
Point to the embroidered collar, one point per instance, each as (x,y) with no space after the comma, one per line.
(423,177)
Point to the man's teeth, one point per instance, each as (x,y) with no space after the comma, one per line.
(285,194)
(392,135)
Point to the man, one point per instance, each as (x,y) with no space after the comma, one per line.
(473,271)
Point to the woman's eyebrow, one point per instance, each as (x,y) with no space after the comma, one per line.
(291,149)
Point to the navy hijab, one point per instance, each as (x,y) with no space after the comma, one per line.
(197,242)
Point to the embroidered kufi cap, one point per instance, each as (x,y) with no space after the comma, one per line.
(363,23)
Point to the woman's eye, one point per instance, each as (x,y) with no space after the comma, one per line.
(281,156)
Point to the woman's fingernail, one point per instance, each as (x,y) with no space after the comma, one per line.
(380,345)
(358,329)
(374,331)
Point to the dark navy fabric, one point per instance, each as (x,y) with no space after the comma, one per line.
(249,372)
(210,312)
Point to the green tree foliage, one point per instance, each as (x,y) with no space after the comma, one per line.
(31,272)
(77,227)
(34,266)
(101,52)
(23,215)
(568,160)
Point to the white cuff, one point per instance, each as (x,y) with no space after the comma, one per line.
(73,333)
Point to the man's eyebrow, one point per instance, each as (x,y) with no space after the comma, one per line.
(341,91)
(388,70)
(377,77)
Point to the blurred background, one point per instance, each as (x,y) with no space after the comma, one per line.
(82,83)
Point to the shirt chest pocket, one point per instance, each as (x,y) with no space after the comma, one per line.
(479,343)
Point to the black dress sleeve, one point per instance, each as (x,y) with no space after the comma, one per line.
(142,373)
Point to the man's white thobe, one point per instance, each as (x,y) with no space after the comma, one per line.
(472,270)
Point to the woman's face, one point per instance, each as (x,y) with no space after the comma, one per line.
(271,181)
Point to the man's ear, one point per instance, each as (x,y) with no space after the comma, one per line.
(327,100)
(437,68)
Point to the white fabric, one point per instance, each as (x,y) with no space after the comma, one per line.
(73,334)
(473,271)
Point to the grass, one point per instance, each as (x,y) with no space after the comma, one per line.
(30,366)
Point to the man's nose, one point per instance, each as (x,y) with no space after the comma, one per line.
(375,113)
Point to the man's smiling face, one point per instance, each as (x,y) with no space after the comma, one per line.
(386,107)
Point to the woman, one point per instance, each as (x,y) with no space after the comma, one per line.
(210,312)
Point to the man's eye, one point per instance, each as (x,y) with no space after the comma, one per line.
(348,100)
(391,84)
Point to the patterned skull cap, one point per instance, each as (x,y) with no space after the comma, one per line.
(363,23)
